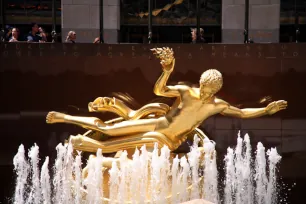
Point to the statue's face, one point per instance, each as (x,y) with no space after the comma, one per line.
(207,92)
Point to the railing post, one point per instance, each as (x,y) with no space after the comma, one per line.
(246,22)
(53,33)
(150,21)
(198,19)
(2,10)
(101,22)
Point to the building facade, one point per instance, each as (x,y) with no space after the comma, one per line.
(126,21)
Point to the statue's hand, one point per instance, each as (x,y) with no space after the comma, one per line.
(276,106)
(166,57)
(101,103)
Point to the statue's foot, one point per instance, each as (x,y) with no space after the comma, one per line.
(55,117)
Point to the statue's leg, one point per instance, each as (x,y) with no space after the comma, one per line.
(86,122)
(119,129)
(116,144)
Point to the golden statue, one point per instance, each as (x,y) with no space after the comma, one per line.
(157,122)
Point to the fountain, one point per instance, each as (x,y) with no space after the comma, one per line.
(150,177)
(176,161)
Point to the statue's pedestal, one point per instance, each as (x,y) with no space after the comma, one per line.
(198,201)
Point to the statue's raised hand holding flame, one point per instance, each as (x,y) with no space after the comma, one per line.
(166,57)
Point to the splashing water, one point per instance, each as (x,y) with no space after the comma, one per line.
(241,178)
(58,174)
(260,174)
(229,177)
(35,193)
(155,177)
(193,158)
(274,159)
(45,182)
(67,175)
(78,178)
(136,175)
(210,182)
(21,168)
(114,182)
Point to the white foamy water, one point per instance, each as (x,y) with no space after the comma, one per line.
(21,167)
(230,179)
(260,174)
(273,158)
(154,177)
(45,182)
(77,171)
(35,196)
(114,183)
(210,183)
(193,159)
(247,185)
(59,168)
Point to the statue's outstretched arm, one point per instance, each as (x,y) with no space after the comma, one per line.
(167,61)
(252,112)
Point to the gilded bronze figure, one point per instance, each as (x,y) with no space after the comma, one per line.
(157,122)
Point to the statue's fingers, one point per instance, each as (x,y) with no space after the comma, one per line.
(101,101)
(111,102)
(104,101)
(282,101)
(272,104)
(97,100)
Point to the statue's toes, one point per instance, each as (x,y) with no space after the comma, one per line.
(49,117)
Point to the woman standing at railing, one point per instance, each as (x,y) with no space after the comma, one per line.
(71,37)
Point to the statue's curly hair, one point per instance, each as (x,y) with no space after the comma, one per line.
(212,78)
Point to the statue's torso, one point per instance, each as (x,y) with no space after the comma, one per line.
(187,114)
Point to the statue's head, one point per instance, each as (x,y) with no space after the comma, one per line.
(211,82)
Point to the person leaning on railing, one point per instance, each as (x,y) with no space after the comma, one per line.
(37,34)
(195,38)
(15,35)
(97,40)
(71,37)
